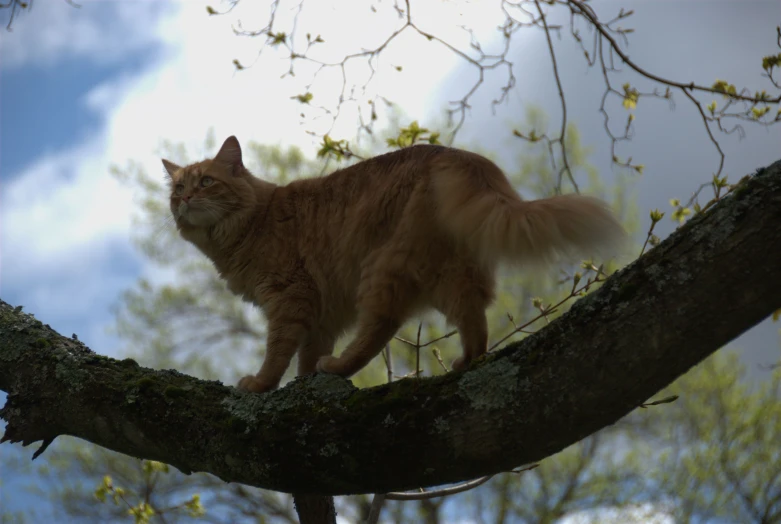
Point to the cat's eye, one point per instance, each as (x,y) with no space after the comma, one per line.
(179,189)
(207,181)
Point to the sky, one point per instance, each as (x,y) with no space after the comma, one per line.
(84,88)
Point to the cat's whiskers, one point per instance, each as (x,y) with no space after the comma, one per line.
(222,206)
(163,225)
(212,213)
(216,211)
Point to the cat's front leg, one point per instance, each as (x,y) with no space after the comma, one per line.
(285,336)
(318,345)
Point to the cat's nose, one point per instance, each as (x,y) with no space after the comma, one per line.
(186,198)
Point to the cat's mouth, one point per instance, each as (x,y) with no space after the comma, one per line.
(194,214)
(188,213)
(181,211)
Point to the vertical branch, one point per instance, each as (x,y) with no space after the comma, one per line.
(417,352)
(562,137)
(389,362)
(707,128)
(376,509)
(314,509)
(379,498)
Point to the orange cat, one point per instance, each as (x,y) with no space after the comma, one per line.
(372,244)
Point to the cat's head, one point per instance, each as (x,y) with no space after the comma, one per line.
(207,192)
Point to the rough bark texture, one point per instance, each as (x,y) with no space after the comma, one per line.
(707,283)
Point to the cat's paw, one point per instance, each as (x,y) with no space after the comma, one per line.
(254,384)
(329,364)
(460,364)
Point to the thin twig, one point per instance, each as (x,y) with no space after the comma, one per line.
(444,492)
(562,137)
(549,310)
(438,356)
(432,341)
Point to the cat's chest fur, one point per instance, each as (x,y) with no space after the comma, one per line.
(258,272)
(249,279)
(238,287)
(240,271)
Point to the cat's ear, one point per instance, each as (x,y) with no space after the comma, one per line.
(170,168)
(230,154)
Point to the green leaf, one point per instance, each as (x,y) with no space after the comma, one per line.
(142,513)
(771,61)
(631,96)
(680,214)
(758,113)
(305,98)
(722,86)
(194,506)
(278,38)
(150,466)
(719,182)
(337,148)
(654,240)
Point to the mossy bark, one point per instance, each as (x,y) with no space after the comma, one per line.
(707,283)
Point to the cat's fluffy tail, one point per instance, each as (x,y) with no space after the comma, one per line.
(479,207)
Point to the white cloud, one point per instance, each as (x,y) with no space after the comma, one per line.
(65,250)
(99,31)
(61,203)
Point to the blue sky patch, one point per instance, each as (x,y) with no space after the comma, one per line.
(43,110)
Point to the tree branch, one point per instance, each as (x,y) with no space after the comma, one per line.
(711,280)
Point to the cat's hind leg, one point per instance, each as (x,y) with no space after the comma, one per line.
(373,333)
(387,295)
(462,294)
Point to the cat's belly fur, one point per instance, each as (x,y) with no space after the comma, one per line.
(334,303)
